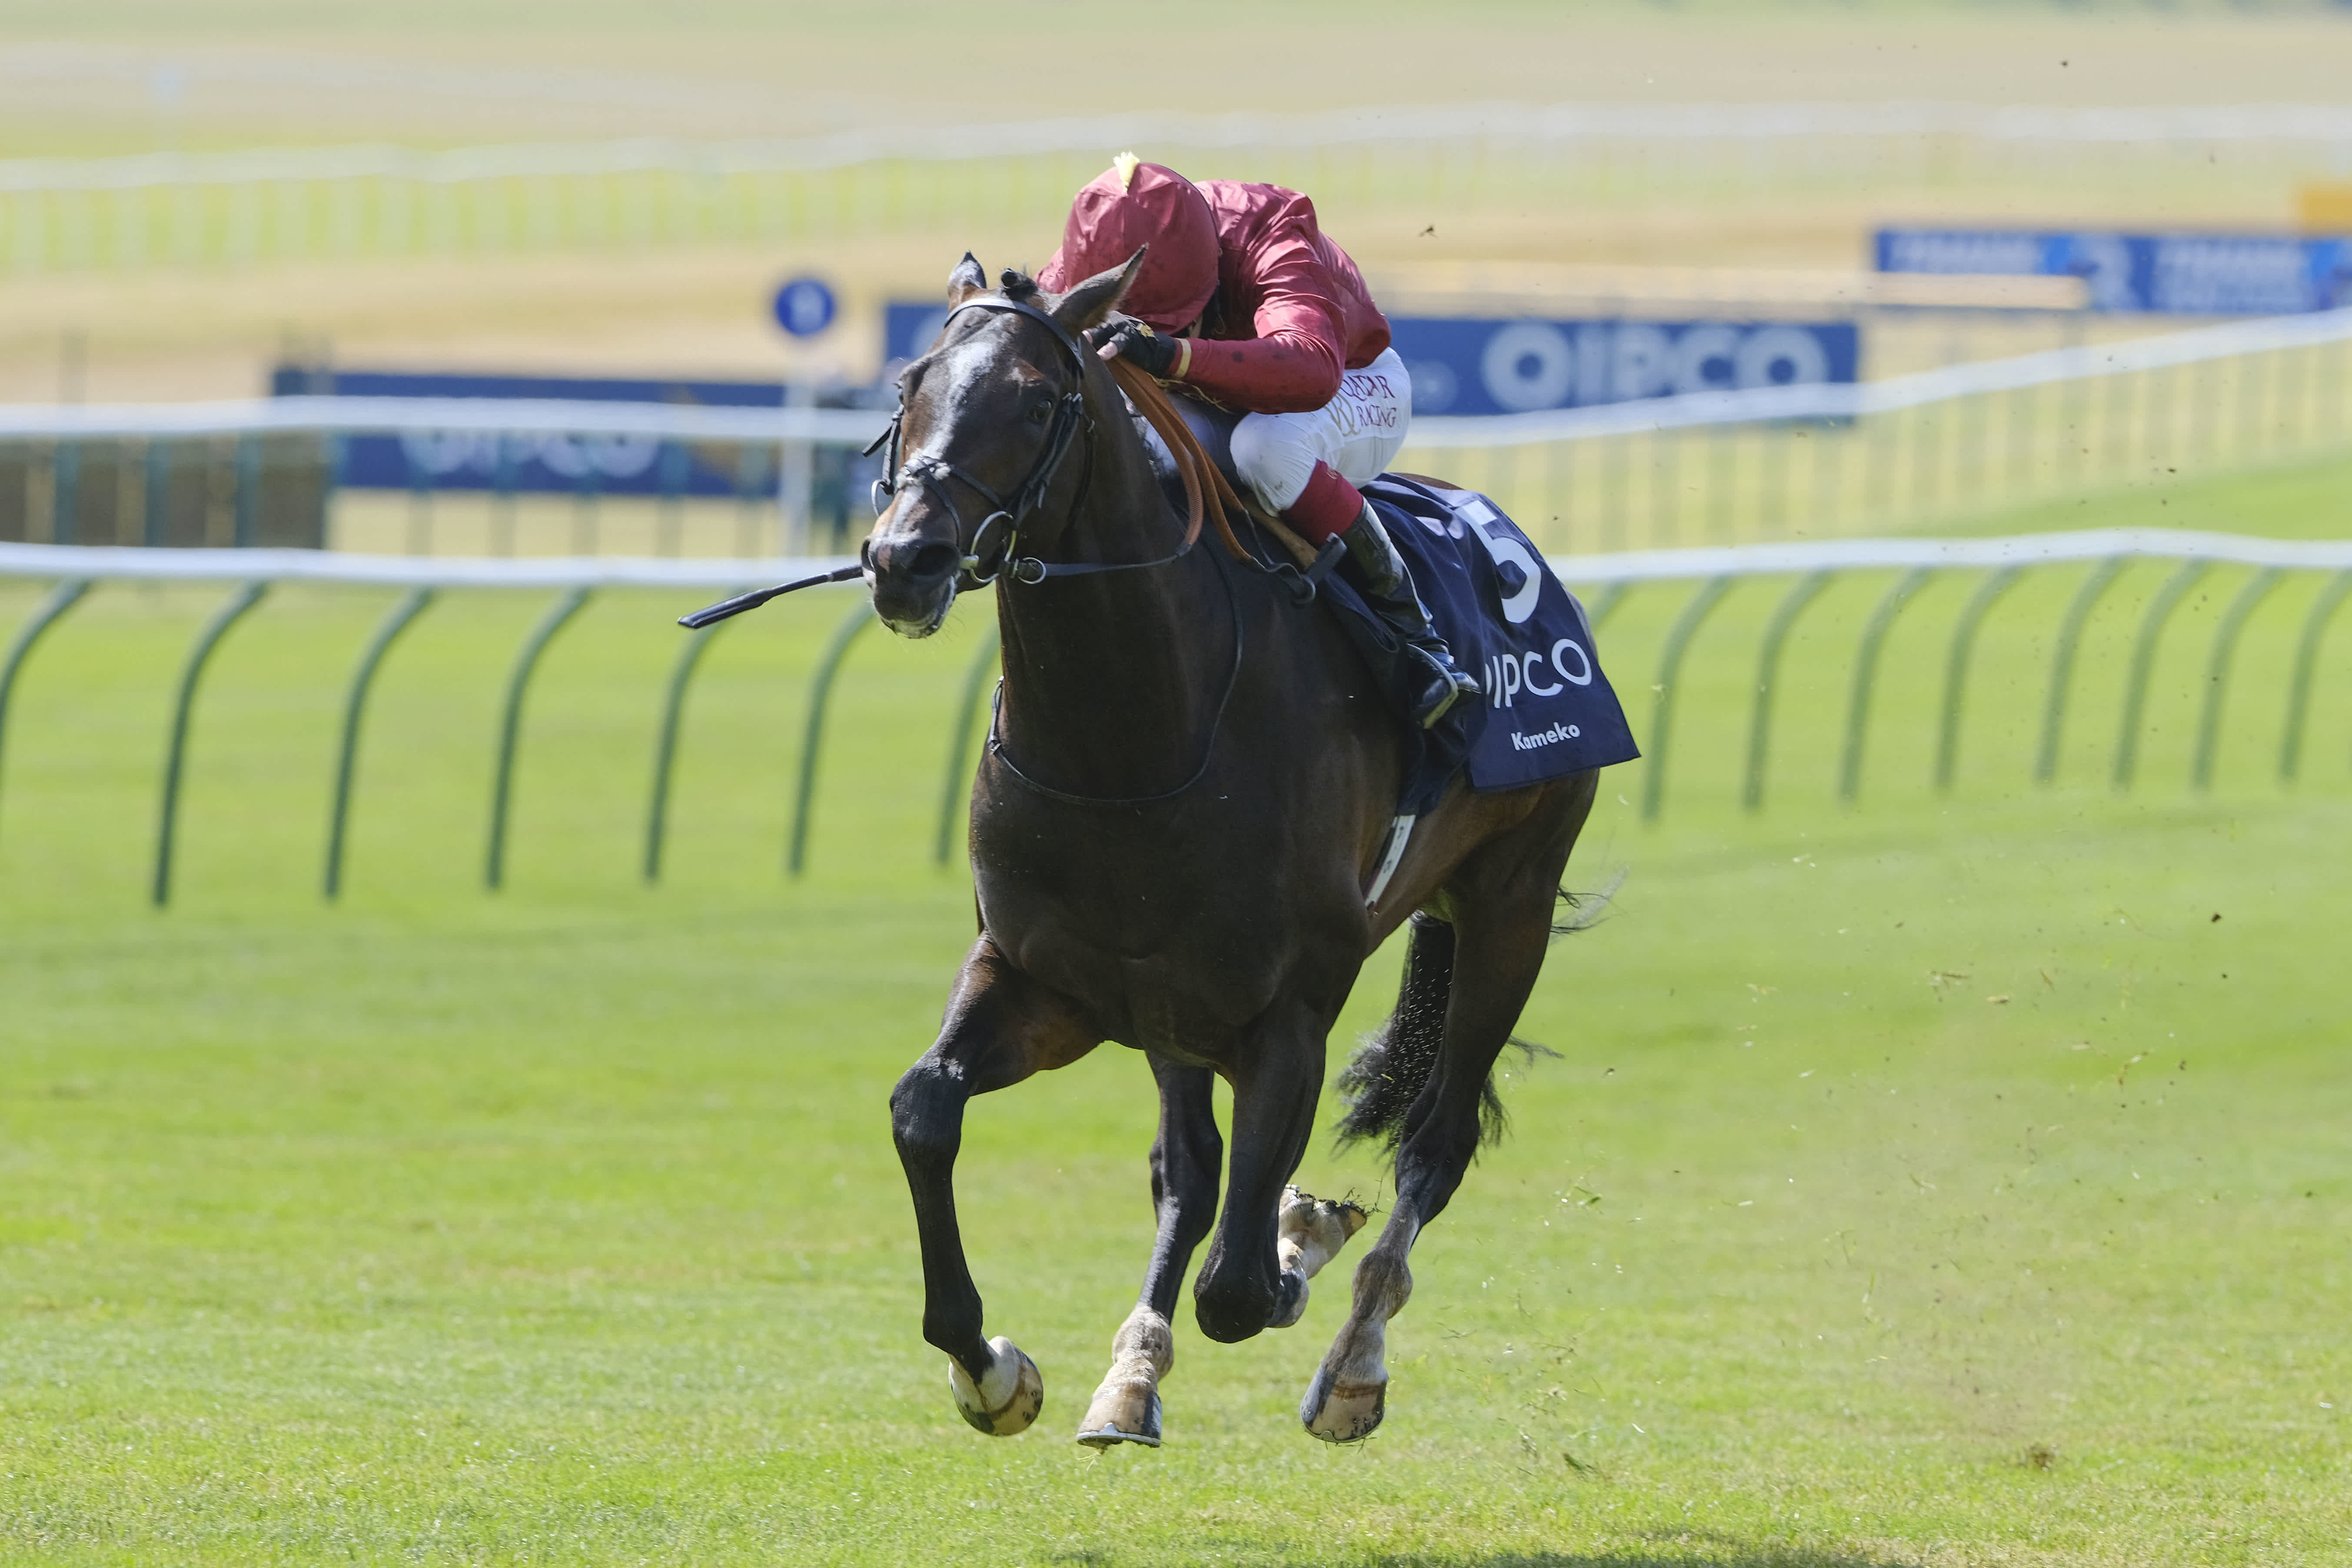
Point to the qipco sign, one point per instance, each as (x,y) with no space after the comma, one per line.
(1471,367)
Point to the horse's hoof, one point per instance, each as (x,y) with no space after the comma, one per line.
(1342,1412)
(1308,1233)
(1007,1399)
(1126,1408)
(1116,1417)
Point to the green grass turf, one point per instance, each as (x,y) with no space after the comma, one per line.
(1932,1182)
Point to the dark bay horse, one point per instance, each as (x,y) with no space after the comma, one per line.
(1188,782)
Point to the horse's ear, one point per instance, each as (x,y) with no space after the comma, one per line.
(967,278)
(1099,295)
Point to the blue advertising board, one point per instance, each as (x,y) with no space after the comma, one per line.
(1463,365)
(610,464)
(2177,274)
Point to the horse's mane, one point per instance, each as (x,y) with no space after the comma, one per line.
(1018,285)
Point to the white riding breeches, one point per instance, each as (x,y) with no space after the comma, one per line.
(1357,433)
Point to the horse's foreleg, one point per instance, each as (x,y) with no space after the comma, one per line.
(1243,1287)
(1001,1026)
(1184,1160)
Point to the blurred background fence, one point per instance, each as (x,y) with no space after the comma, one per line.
(1908,451)
(235,208)
(1770,463)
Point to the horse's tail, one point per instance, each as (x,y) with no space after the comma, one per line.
(1398,1059)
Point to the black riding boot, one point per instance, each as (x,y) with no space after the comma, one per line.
(1387,586)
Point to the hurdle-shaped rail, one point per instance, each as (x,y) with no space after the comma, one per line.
(1608,578)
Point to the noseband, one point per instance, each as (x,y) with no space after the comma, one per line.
(995,541)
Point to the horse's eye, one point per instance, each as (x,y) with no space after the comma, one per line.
(1038,410)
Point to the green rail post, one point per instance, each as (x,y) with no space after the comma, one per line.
(2061,662)
(1768,669)
(1956,669)
(63,597)
(1685,626)
(176,752)
(2151,632)
(959,743)
(2217,670)
(2306,661)
(689,658)
(494,867)
(1866,676)
(347,751)
(819,687)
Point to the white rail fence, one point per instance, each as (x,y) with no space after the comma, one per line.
(1707,468)
(245,207)
(1963,441)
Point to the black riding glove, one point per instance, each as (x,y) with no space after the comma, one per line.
(1124,337)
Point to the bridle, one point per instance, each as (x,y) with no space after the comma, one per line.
(998,537)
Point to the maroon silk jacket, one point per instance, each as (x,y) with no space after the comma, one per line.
(1291,313)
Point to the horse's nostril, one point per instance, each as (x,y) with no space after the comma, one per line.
(934,560)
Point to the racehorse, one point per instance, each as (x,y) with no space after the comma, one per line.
(1188,787)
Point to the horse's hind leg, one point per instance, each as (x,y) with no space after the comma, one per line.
(1184,1160)
(1000,1027)
(1502,901)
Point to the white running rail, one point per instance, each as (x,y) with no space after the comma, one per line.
(308,416)
(1718,467)
(422,415)
(2319,125)
(1857,399)
(236,208)
(106,563)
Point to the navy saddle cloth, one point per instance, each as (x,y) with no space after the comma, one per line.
(1547,710)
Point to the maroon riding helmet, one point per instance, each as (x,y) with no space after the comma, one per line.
(1129,206)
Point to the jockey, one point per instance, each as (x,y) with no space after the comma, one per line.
(1243,300)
